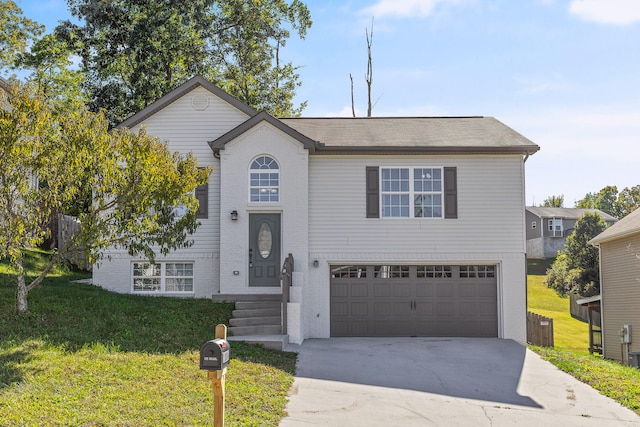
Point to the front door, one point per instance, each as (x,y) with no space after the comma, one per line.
(264,249)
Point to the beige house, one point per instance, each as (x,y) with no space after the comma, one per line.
(620,287)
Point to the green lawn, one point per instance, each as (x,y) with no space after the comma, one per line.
(568,333)
(83,356)
(570,353)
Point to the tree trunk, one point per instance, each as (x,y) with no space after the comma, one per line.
(369,76)
(21,295)
(353,105)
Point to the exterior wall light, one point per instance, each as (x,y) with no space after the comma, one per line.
(234,215)
(316,264)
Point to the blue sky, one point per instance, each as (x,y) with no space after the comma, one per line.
(564,73)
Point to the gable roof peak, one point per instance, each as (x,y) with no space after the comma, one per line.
(180,91)
(219,143)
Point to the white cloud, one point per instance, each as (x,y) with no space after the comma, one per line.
(614,12)
(605,132)
(535,84)
(405,8)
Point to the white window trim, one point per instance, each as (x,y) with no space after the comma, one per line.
(551,226)
(412,192)
(279,187)
(163,277)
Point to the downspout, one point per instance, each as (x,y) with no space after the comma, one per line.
(602,337)
(524,235)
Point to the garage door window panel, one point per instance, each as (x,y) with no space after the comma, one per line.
(349,272)
(433,271)
(391,271)
(477,271)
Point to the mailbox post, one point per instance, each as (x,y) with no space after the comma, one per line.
(214,357)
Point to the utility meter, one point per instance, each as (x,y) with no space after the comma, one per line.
(625,334)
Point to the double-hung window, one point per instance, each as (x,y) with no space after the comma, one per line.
(162,277)
(555,227)
(395,192)
(411,192)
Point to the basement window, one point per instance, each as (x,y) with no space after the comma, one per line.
(163,277)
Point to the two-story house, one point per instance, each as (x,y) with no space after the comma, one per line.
(398,226)
(548,228)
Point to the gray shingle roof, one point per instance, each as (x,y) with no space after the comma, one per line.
(630,224)
(567,213)
(433,134)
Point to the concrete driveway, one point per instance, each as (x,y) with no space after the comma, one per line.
(440,382)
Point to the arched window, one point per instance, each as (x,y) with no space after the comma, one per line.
(264,180)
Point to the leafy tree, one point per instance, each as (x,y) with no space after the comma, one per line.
(610,201)
(604,200)
(16,32)
(133,52)
(554,202)
(628,201)
(49,62)
(48,156)
(576,269)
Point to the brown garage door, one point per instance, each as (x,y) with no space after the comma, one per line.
(423,301)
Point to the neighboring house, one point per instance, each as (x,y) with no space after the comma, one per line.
(548,228)
(398,226)
(620,285)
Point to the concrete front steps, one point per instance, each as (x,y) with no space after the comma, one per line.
(257,319)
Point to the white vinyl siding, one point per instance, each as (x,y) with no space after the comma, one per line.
(490,208)
(489,229)
(186,130)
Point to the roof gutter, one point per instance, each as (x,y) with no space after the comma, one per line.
(420,150)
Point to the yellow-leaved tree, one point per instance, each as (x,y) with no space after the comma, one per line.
(51,156)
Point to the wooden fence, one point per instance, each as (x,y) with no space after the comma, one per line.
(578,311)
(539,330)
(67,227)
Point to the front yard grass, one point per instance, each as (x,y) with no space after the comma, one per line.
(570,354)
(84,356)
(568,333)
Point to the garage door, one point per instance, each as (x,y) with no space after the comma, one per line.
(423,301)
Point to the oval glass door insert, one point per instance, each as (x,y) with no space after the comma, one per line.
(265,240)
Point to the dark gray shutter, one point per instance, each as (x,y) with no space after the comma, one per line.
(202,194)
(450,193)
(373,192)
